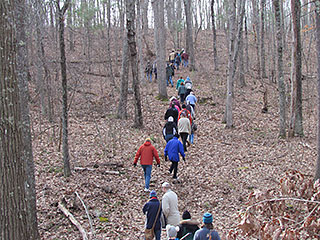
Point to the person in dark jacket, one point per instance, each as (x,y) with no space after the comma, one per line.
(187,226)
(169,129)
(148,71)
(207,229)
(172,149)
(182,92)
(151,208)
(169,74)
(172,112)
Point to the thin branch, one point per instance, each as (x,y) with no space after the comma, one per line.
(87,212)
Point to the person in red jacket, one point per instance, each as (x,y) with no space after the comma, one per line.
(146,153)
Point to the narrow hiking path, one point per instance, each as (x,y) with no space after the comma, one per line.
(221,168)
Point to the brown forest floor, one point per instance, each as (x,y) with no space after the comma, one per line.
(221,168)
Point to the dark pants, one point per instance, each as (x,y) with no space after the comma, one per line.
(182,97)
(188,92)
(174,168)
(184,137)
(168,137)
(193,106)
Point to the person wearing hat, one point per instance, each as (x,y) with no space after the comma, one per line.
(172,56)
(188,84)
(169,129)
(187,226)
(207,229)
(172,149)
(152,209)
(172,232)
(172,112)
(170,205)
(146,153)
(175,102)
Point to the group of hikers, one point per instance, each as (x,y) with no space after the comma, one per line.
(175,59)
(180,118)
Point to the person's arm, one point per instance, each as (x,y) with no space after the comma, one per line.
(196,236)
(137,155)
(165,206)
(145,208)
(181,150)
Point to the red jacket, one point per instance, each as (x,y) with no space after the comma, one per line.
(146,152)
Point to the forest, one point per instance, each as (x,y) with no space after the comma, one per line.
(76,104)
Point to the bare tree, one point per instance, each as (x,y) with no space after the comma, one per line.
(16,222)
(214,35)
(281,85)
(262,31)
(65,145)
(317,13)
(131,16)
(256,29)
(189,35)
(295,126)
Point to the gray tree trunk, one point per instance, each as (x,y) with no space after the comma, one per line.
(317,13)
(27,155)
(262,47)
(65,145)
(14,217)
(281,85)
(257,35)
(189,35)
(161,64)
(131,16)
(296,127)
(214,35)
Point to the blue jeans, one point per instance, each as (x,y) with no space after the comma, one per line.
(191,138)
(170,80)
(185,63)
(168,137)
(149,77)
(147,174)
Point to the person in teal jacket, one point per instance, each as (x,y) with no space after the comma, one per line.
(179,82)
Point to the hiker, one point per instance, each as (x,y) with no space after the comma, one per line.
(148,71)
(188,85)
(146,153)
(153,211)
(190,109)
(187,226)
(176,103)
(180,80)
(169,74)
(182,92)
(184,129)
(154,68)
(186,111)
(172,149)
(172,232)
(169,129)
(185,58)
(192,100)
(170,205)
(177,60)
(207,229)
(193,125)
(172,112)
(172,56)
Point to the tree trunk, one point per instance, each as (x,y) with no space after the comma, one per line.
(189,35)
(27,155)
(246,45)
(296,128)
(161,63)
(262,47)
(70,27)
(65,145)
(281,85)
(317,13)
(256,35)
(15,153)
(130,9)
(122,107)
(214,34)
(109,60)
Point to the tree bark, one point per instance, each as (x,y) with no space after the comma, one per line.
(262,47)
(317,13)
(14,216)
(256,35)
(296,127)
(189,35)
(161,64)
(214,35)
(281,85)
(65,145)
(130,9)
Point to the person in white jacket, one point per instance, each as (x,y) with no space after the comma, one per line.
(170,205)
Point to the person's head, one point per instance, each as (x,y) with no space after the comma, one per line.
(182,83)
(183,106)
(172,231)
(153,194)
(181,77)
(207,218)
(172,98)
(148,139)
(183,114)
(165,186)
(170,119)
(186,215)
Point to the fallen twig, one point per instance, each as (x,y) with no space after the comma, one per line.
(73,220)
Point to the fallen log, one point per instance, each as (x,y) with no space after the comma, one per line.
(73,220)
(92,169)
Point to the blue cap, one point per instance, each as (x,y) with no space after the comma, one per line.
(207,218)
(153,193)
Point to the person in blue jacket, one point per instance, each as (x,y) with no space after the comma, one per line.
(151,208)
(172,149)
(206,232)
